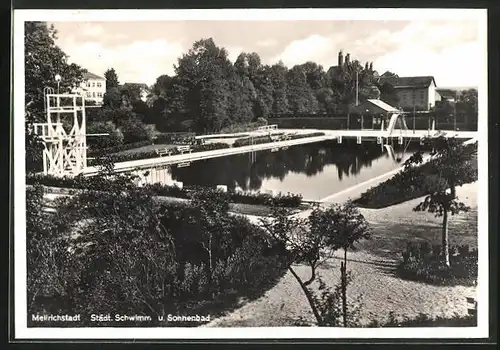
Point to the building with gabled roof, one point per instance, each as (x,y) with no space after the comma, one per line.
(417,93)
(93,87)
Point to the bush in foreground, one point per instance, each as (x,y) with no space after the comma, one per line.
(105,184)
(134,256)
(423,263)
(423,320)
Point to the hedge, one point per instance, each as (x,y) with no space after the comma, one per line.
(398,189)
(311,123)
(153,154)
(119,148)
(81,182)
(175,138)
(422,262)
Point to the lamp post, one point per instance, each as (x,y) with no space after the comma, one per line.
(455,113)
(58,80)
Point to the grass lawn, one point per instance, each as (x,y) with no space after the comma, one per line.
(393,227)
(372,266)
(147,148)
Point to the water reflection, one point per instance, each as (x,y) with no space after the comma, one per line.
(314,170)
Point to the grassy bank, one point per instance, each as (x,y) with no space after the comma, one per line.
(401,188)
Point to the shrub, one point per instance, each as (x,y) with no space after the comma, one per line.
(252,141)
(99,183)
(422,262)
(134,130)
(136,256)
(402,187)
(118,148)
(118,158)
(175,138)
(424,320)
(113,139)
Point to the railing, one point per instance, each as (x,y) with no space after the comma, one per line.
(268,127)
(46,130)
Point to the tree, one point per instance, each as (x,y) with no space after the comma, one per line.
(203,73)
(210,210)
(313,241)
(451,166)
(278,79)
(114,138)
(301,97)
(112,98)
(388,93)
(343,225)
(43,61)
(111,79)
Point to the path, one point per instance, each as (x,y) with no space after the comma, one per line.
(373,279)
(328,135)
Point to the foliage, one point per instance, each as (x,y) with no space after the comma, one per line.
(43,61)
(414,181)
(117,158)
(316,122)
(423,320)
(134,255)
(313,241)
(50,270)
(111,79)
(99,183)
(423,263)
(113,139)
(451,167)
(134,130)
(329,304)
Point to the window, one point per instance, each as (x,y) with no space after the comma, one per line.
(422,95)
(99,94)
(88,84)
(89,94)
(93,94)
(99,84)
(93,84)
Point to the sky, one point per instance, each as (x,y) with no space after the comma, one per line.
(141,51)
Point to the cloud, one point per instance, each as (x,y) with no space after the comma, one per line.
(314,48)
(267,43)
(139,61)
(92,30)
(458,65)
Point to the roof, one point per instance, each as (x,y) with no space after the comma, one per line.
(139,85)
(373,106)
(447,93)
(89,75)
(381,104)
(408,82)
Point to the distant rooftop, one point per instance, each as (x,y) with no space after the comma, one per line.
(89,75)
(409,82)
(141,85)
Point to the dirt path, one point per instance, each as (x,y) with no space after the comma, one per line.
(373,279)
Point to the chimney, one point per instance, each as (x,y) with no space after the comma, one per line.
(341,58)
(347,58)
(366,66)
(371,66)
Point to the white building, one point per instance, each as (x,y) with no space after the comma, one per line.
(93,87)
